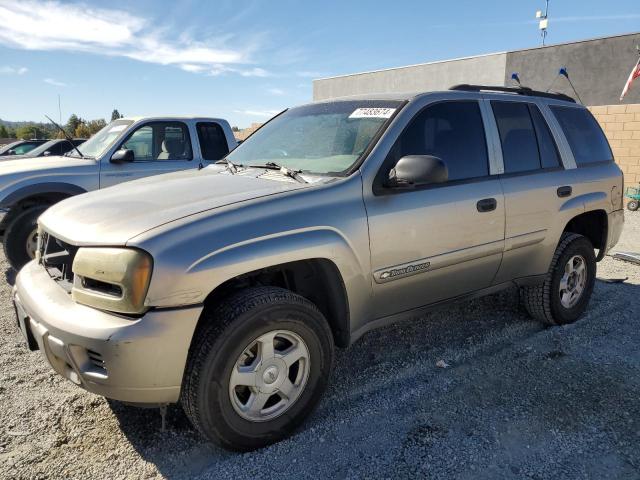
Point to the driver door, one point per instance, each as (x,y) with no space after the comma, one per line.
(444,240)
(158,147)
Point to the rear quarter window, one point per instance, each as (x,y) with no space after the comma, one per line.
(585,137)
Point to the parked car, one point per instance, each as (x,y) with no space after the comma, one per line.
(227,289)
(51,148)
(125,149)
(19,147)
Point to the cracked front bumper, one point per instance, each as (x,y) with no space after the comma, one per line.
(137,360)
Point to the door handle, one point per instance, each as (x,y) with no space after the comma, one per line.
(564,191)
(486,205)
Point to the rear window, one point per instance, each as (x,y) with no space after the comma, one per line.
(585,137)
(213,143)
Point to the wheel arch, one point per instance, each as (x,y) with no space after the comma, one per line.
(316,279)
(593,224)
(46,193)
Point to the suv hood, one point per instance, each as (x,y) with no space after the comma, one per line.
(114,215)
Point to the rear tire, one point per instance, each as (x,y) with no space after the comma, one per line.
(633,205)
(19,236)
(565,293)
(220,406)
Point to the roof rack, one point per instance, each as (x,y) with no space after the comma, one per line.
(464,87)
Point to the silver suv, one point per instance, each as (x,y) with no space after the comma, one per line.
(226,289)
(125,149)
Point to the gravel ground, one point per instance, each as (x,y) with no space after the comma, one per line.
(518,401)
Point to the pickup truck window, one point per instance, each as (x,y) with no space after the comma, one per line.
(160,141)
(101,141)
(213,143)
(323,138)
(451,131)
(585,137)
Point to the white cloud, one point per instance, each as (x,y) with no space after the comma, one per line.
(53,25)
(258,113)
(275,91)
(7,70)
(55,83)
(255,72)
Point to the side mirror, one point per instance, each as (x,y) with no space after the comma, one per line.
(123,156)
(415,170)
(11,152)
(46,154)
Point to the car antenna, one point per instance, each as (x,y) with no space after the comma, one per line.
(516,78)
(565,73)
(66,136)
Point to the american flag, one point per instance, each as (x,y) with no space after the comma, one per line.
(635,73)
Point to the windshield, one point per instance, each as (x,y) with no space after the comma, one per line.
(101,141)
(324,138)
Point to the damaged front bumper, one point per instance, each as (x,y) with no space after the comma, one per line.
(138,360)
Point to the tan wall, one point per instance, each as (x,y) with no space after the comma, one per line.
(621,124)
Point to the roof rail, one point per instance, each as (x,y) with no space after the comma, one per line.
(464,87)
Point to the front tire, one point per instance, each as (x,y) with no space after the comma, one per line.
(565,293)
(21,235)
(257,368)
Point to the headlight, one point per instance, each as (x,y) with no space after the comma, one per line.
(114,279)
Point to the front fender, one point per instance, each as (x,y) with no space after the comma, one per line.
(25,191)
(215,268)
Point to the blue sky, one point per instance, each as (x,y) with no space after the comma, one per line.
(246,60)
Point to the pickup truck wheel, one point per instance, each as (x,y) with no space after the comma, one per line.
(257,368)
(20,238)
(567,288)
(633,205)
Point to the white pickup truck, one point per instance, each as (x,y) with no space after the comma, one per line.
(126,149)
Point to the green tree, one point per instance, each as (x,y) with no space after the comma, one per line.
(115,115)
(82,131)
(29,131)
(95,126)
(73,123)
(3,132)
(235,128)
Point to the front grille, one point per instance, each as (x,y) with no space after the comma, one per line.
(57,257)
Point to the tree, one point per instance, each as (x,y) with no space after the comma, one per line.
(82,131)
(73,123)
(3,132)
(95,126)
(29,131)
(115,115)
(235,129)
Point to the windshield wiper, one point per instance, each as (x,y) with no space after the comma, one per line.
(66,136)
(232,167)
(295,174)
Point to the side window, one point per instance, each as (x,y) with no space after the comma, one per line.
(549,155)
(451,131)
(585,137)
(60,148)
(213,143)
(160,141)
(517,136)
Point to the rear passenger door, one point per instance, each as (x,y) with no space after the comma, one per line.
(158,147)
(535,185)
(439,241)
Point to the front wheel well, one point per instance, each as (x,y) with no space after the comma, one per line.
(317,279)
(593,225)
(47,198)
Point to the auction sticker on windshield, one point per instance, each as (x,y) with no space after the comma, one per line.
(372,112)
